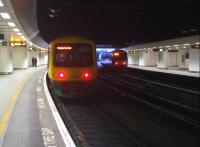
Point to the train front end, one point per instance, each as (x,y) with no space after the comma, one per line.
(72,67)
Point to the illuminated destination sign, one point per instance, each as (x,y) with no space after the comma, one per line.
(63,47)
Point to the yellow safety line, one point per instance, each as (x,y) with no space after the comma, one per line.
(6,115)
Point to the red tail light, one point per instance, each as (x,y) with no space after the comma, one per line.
(87,75)
(61,75)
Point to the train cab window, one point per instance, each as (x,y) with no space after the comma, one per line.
(121,56)
(73,55)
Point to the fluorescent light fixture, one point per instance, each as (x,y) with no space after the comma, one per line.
(167,46)
(23,37)
(1,4)
(16,30)
(197,43)
(5,15)
(161,50)
(176,45)
(186,44)
(11,24)
(19,33)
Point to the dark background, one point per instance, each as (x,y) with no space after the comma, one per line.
(120,23)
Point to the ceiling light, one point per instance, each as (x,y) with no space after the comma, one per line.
(11,24)
(167,46)
(197,43)
(176,45)
(19,33)
(16,30)
(161,50)
(23,37)
(5,15)
(186,44)
(1,4)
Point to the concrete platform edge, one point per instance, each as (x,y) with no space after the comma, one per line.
(67,139)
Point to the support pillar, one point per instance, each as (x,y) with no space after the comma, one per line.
(6,64)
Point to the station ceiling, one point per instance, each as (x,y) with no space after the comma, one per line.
(116,22)
(122,22)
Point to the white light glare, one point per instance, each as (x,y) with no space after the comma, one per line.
(167,46)
(5,15)
(23,37)
(19,33)
(197,43)
(16,30)
(11,24)
(1,4)
(161,50)
(186,44)
(176,45)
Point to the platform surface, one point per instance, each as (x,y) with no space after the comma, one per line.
(170,70)
(26,118)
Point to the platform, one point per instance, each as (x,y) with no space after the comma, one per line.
(170,70)
(28,116)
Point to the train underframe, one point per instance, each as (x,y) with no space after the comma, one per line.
(72,89)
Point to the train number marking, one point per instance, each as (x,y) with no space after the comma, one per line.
(48,137)
(39,89)
(41,104)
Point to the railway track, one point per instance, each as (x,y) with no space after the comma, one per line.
(92,127)
(110,120)
(145,91)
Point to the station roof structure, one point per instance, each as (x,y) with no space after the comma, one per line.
(120,23)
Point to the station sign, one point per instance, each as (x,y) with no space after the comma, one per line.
(195,46)
(14,44)
(4,43)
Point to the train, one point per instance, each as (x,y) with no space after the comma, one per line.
(72,66)
(116,59)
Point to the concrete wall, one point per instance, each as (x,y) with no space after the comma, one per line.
(194,60)
(142,58)
(183,63)
(172,59)
(147,58)
(32,54)
(6,63)
(162,59)
(150,59)
(43,58)
(20,57)
(133,59)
